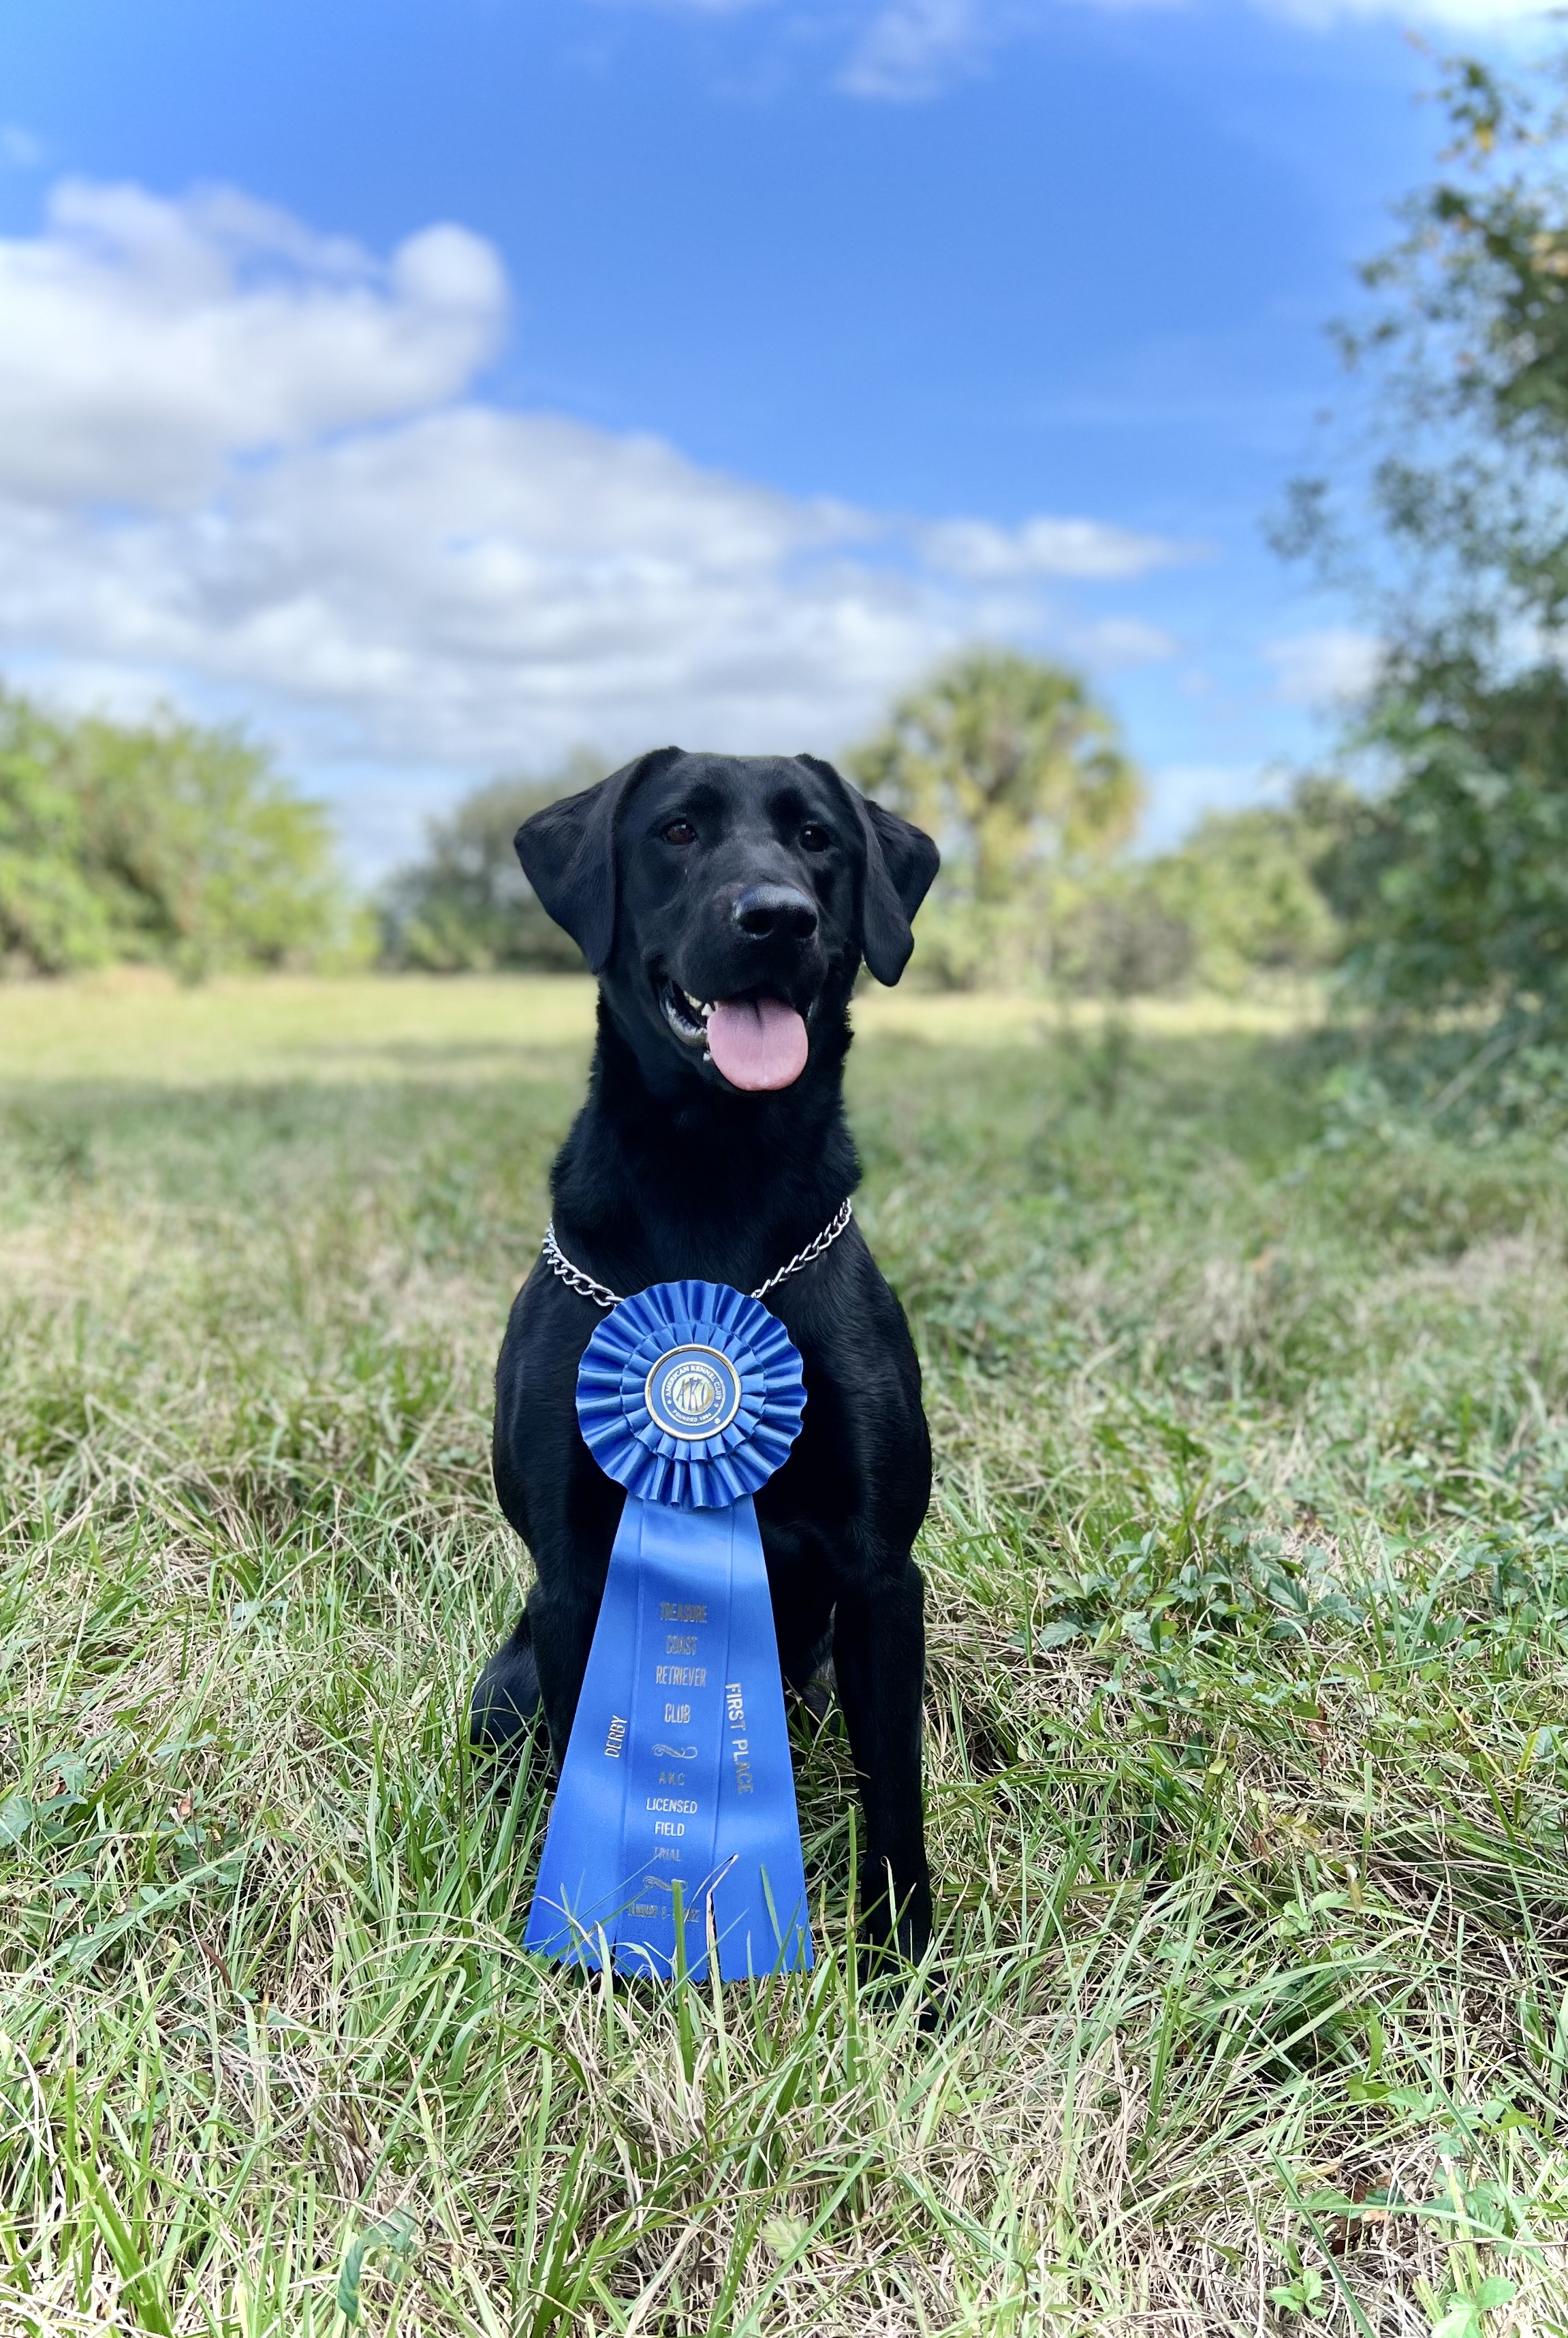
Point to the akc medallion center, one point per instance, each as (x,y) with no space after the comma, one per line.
(692,1392)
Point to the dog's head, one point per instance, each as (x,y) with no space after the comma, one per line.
(726,902)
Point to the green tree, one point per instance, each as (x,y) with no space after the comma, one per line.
(205,855)
(1020,775)
(51,918)
(1250,887)
(162,841)
(1453,882)
(1456,880)
(1010,763)
(465,905)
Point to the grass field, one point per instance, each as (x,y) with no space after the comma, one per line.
(1247,1713)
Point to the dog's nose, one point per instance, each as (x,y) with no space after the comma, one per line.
(766,910)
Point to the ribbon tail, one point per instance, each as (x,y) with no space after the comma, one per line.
(581,1890)
(671,1804)
(760,1912)
(677,1792)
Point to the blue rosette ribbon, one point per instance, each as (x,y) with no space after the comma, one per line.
(674,1823)
(692,1455)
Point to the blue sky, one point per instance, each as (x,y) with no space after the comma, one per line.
(436,384)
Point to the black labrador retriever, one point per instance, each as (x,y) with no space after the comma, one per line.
(726,902)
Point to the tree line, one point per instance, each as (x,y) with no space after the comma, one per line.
(1020,774)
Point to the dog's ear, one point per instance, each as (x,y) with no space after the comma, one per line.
(568,856)
(901,863)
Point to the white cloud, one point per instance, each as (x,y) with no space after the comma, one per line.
(480,587)
(909,52)
(976,549)
(1325,668)
(913,49)
(1469,15)
(145,341)
(244,463)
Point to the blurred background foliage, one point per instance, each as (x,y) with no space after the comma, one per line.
(1012,764)
(464,906)
(1021,779)
(162,843)
(1424,867)
(1446,514)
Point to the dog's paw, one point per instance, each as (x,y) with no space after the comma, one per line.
(506,1711)
(891,1953)
(886,1974)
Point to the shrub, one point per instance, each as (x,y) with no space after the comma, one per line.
(1122,941)
(1455,880)
(50,917)
(164,842)
(1248,887)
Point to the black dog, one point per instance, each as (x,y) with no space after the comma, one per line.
(714,1146)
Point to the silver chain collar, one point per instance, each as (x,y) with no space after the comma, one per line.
(602,1296)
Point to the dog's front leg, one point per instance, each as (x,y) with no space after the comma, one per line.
(562,1622)
(879,1664)
(565,1509)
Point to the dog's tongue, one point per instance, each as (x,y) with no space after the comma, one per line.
(757,1043)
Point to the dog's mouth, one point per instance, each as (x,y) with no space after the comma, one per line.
(755,1044)
(687,1017)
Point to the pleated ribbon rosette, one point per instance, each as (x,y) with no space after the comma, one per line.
(675,1813)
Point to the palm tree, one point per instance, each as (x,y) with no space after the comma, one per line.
(1011,764)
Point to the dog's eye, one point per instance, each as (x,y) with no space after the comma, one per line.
(679,832)
(815,838)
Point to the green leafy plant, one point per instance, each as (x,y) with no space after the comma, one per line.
(1251,888)
(394,2238)
(1452,881)
(1464,2316)
(1305,2293)
(162,842)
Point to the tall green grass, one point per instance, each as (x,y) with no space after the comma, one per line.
(1247,1587)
